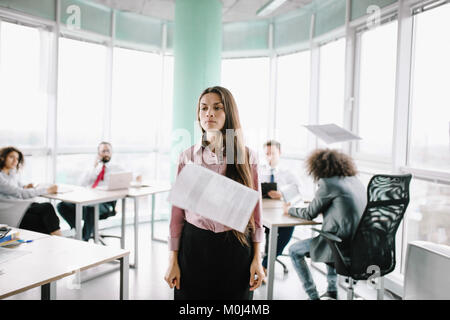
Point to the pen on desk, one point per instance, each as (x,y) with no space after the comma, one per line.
(24,241)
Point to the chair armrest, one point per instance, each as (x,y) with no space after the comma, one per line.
(328,235)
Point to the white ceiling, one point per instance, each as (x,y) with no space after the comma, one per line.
(233,10)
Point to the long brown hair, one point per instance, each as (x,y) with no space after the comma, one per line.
(327,163)
(239,170)
(4,152)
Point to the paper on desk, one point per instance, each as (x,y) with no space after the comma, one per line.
(7,254)
(331,133)
(213,196)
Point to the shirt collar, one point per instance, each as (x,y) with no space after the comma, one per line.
(198,147)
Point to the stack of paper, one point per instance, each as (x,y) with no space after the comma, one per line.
(214,196)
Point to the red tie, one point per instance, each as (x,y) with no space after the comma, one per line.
(100,176)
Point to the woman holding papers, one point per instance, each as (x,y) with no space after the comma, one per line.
(40,217)
(341,198)
(209,260)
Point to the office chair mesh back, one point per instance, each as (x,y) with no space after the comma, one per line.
(373,243)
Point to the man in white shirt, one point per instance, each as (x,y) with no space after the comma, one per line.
(271,172)
(94,177)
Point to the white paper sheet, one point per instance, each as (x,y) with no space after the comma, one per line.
(8,254)
(213,196)
(331,133)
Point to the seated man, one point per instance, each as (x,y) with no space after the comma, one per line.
(271,172)
(95,176)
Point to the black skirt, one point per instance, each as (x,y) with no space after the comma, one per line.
(40,217)
(213,266)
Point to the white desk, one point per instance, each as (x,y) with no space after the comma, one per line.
(50,258)
(81,197)
(273,218)
(138,192)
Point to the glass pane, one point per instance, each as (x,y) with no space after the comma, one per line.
(35,169)
(292,106)
(377,90)
(248,81)
(166,118)
(430,138)
(23,86)
(136,97)
(81,93)
(70,168)
(428,214)
(332,78)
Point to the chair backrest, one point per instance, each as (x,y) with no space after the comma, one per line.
(426,274)
(373,243)
(12,211)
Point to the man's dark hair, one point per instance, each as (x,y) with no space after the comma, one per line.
(273,143)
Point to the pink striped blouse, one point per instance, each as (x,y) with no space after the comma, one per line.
(204,157)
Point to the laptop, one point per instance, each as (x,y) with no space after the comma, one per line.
(266,187)
(117,181)
(12,211)
(291,194)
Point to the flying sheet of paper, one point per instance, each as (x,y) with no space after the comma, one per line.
(331,133)
(213,196)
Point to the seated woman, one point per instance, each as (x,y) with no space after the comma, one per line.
(341,198)
(40,217)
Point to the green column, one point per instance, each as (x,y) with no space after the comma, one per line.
(197,64)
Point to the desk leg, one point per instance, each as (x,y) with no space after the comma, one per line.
(124,277)
(153,216)
(136,231)
(96,217)
(122,236)
(78,215)
(272,253)
(48,291)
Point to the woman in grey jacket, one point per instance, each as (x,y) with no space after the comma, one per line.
(341,198)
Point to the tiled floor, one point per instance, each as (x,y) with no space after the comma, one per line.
(147,281)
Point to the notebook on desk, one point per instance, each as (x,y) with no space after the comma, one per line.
(266,187)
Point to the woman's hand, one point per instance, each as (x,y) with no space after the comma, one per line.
(273,194)
(286,207)
(29,186)
(256,273)
(172,276)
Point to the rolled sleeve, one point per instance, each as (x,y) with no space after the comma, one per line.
(258,234)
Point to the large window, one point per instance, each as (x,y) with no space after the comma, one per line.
(378,49)
(166,117)
(332,79)
(248,81)
(136,98)
(81,93)
(430,137)
(23,85)
(292,104)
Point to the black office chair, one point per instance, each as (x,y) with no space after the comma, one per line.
(372,247)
